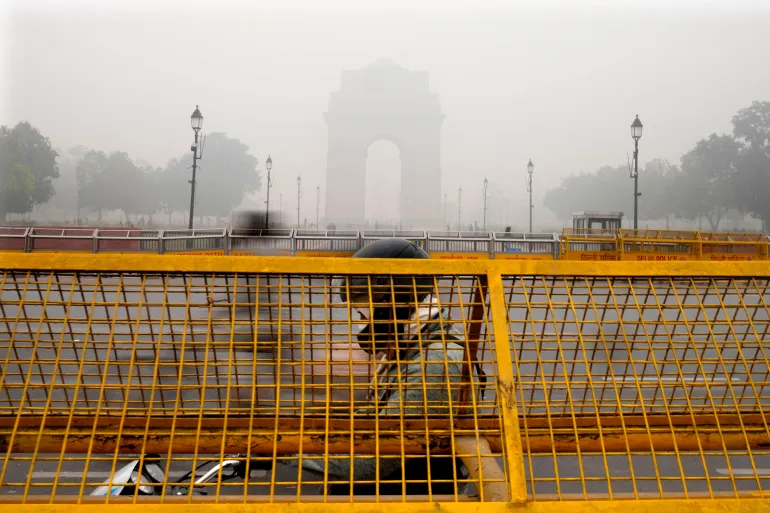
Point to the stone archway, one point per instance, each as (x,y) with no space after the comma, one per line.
(384,101)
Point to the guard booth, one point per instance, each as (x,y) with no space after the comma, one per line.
(593,236)
(595,220)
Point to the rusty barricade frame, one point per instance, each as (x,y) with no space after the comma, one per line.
(494,271)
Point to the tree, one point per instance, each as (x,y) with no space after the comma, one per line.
(65,197)
(149,198)
(752,125)
(706,185)
(111,182)
(660,196)
(93,192)
(753,183)
(173,187)
(225,175)
(611,189)
(27,169)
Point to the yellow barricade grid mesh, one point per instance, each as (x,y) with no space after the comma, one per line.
(641,387)
(182,369)
(613,386)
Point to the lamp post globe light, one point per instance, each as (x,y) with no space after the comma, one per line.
(269,167)
(636,134)
(530,171)
(196,121)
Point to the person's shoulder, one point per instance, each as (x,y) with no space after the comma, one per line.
(446,343)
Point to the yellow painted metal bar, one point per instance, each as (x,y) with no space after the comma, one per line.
(200,264)
(757,505)
(505,387)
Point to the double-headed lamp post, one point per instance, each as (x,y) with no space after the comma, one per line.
(269,167)
(196,120)
(317,204)
(530,171)
(486,184)
(636,134)
(299,195)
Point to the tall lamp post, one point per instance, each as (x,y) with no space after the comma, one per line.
(486,183)
(530,170)
(317,204)
(299,195)
(269,167)
(196,120)
(636,134)
(459,208)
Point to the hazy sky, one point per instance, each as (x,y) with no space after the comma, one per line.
(559,84)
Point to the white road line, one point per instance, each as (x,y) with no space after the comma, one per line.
(763,472)
(668,379)
(70,475)
(105,475)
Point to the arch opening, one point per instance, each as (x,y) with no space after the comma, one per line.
(383,185)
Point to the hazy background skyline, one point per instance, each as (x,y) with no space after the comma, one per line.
(559,85)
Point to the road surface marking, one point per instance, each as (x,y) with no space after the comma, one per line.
(745,471)
(695,379)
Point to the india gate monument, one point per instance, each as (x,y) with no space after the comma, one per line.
(384,101)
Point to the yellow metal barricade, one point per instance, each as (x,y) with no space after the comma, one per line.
(589,245)
(593,387)
(734,246)
(660,245)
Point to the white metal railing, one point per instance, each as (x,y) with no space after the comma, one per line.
(242,241)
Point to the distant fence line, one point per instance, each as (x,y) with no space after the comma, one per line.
(572,244)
